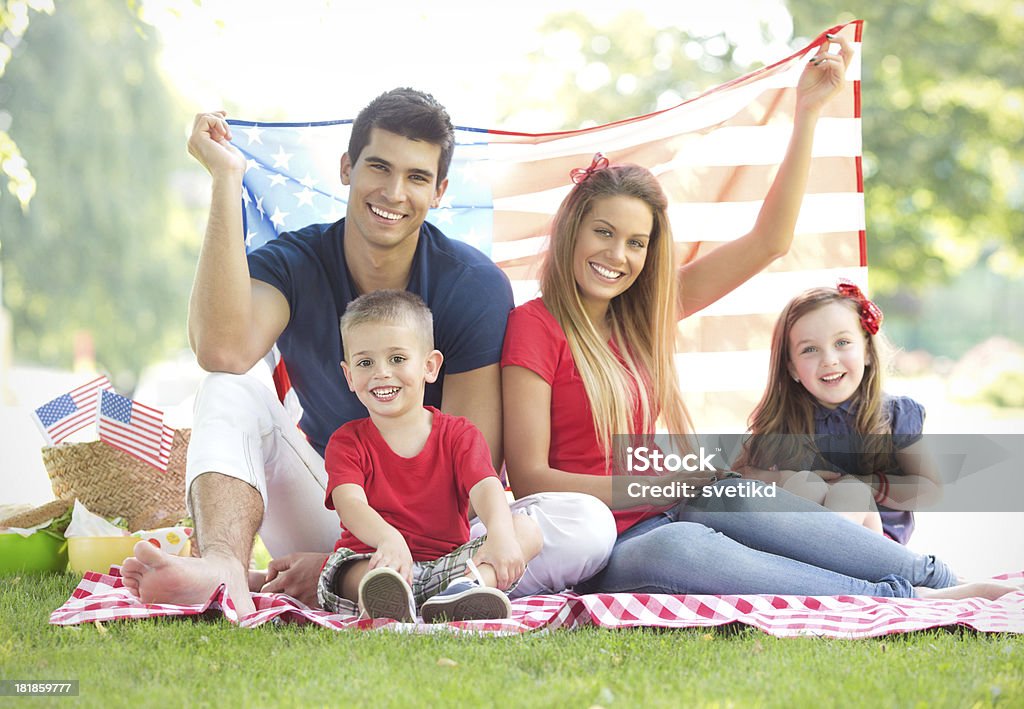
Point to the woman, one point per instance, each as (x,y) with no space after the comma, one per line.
(594,358)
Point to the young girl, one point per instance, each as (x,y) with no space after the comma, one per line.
(824,410)
(594,357)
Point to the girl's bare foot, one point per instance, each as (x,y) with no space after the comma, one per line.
(977,589)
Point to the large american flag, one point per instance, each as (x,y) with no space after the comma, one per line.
(59,418)
(715,155)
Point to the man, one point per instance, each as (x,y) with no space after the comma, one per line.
(249,468)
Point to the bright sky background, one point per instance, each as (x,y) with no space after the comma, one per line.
(322,59)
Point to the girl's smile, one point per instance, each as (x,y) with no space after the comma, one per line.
(828,353)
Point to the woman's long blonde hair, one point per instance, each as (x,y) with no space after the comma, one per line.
(782,424)
(642,319)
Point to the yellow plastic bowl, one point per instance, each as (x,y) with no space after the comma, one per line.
(99,553)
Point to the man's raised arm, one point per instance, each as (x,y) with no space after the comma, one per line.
(232,319)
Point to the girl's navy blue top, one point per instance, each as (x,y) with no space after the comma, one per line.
(840,448)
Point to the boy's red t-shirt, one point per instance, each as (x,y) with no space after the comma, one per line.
(426,497)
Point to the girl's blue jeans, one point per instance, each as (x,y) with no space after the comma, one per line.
(781,545)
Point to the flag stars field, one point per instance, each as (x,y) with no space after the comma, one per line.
(253,134)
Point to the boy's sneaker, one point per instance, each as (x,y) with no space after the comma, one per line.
(383,593)
(465,599)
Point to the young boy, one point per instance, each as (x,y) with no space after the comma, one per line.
(402,479)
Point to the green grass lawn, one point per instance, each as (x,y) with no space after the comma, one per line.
(212,663)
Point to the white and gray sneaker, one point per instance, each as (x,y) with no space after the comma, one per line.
(466,599)
(383,593)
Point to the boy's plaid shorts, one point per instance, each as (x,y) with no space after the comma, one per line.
(428,577)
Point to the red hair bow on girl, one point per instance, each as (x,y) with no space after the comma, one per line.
(870,314)
(579,174)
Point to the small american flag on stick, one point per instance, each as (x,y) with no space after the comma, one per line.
(59,418)
(135,428)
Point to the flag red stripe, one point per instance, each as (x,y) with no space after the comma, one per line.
(746,183)
(157,462)
(756,75)
(152,451)
(152,439)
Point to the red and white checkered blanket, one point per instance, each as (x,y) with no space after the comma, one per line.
(102,597)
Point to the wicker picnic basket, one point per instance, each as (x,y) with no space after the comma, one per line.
(113,483)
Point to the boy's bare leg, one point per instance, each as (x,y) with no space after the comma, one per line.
(227,513)
(351,574)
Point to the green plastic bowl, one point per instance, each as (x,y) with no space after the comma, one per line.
(37,552)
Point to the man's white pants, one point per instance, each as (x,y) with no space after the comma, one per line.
(240,429)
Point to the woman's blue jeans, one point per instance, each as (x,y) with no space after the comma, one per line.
(781,545)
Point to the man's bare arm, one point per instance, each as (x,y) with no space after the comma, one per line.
(233,320)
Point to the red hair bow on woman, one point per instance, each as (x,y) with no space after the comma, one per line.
(579,174)
(870,314)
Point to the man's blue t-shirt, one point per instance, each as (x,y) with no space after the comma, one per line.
(469,296)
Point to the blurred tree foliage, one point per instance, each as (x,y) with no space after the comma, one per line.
(943,128)
(105,246)
(14,20)
(595,73)
(943,109)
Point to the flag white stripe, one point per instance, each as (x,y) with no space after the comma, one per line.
(730,218)
(768,292)
(725,221)
(740,146)
(744,370)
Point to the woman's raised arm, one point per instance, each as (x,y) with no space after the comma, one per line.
(706,280)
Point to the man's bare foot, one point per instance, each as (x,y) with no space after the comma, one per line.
(157,577)
(977,589)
